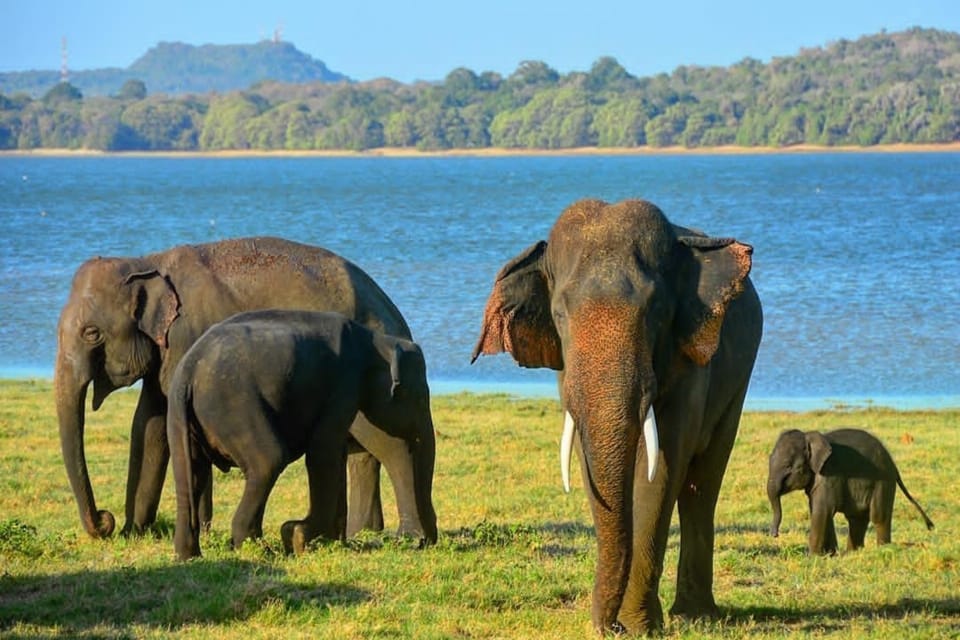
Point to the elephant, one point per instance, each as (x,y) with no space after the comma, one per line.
(263,388)
(130,319)
(652,328)
(847,471)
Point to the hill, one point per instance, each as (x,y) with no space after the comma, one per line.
(178,68)
(886,88)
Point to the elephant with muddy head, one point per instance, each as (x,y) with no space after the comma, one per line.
(130,319)
(654,329)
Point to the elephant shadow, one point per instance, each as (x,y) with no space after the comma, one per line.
(219,592)
(820,620)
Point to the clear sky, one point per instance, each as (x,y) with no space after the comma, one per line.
(426,39)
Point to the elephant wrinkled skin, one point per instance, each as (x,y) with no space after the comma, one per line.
(638,314)
(263,388)
(129,319)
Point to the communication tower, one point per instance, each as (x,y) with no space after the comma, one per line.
(64,74)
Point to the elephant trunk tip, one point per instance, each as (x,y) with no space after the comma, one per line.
(103,527)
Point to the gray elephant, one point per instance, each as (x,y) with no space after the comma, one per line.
(654,329)
(130,319)
(847,471)
(262,388)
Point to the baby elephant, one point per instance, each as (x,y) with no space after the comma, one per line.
(847,470)
(262,388)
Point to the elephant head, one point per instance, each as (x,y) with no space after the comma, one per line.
(111,331)
(794,462)
(622,302)
(396,398)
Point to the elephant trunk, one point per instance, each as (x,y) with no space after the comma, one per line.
(424,458)
(70,387)
(773,493)
(610,451)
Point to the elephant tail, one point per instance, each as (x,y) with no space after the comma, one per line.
(179,418)
(903,488)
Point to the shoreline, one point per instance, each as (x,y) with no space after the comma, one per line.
(495,152)
(535,390)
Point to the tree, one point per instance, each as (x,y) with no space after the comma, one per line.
(133,90)
(62,92)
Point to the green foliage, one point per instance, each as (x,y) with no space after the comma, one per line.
(62,92)
(133,90)
(887,88)
(19,538)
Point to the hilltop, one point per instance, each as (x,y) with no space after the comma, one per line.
(178,68)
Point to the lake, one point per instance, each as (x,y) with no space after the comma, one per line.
(857,255)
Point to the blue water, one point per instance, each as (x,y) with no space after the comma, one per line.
(857,256)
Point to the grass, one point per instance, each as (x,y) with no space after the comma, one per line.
(515,558)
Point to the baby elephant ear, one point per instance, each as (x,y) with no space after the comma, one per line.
(156,304)
(715,276)
(819,450)
(517,317)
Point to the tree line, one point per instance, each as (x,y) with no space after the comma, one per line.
(885,88)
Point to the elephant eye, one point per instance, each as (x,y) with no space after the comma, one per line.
(91,334)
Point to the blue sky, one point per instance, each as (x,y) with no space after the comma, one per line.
(426,39)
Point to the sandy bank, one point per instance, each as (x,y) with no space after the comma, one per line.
(499,152)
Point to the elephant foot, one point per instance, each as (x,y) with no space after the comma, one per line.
(132,530)
(646,621)
(695,609)
(104,526)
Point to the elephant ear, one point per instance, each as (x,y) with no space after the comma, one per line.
(716,275)
(517,317)
(156,304)
(819,450)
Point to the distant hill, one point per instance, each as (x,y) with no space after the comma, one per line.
(886,88)
(177,68)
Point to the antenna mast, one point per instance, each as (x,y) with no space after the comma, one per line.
(64,74)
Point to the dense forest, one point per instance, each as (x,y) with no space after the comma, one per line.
(886,88)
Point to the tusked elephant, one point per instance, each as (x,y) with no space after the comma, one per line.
(847,471)
(129,319)
(654,329)
(263,388)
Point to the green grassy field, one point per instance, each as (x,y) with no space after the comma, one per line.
(515,557)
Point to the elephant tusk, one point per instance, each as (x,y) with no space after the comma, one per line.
(566,449)
(650,440)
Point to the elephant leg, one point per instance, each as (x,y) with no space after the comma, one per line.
(697,504)
(365,508)
(326,518)
(149,454)
(641,610)
(858,531)
(261,468)
(822,539)
(881,511)
(396,456)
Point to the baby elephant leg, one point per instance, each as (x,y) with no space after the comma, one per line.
(881,511)
(858,530)
(823,535)
(261,467)
(326,461)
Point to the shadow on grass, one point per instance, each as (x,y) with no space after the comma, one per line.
(167,597)
(827,619)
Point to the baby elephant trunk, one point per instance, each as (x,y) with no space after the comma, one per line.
(773,493)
